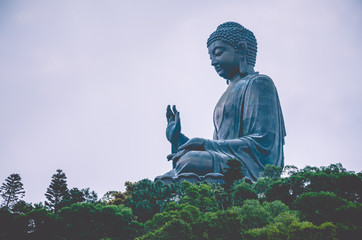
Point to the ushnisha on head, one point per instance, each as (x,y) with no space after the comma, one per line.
(234,33)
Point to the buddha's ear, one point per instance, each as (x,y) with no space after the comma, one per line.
(243,47)
(243,67)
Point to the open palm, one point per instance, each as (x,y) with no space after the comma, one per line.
(173,129)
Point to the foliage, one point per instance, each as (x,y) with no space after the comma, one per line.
(89,221)
(108,196)
(77,196)
(117,197)
(272,171)
(41,224)
(176,229)
(10,228)
(253,214)
(22,207)
(11,190)
(223,225)
(307,230)
(200,196)
(319,207)
(262,185)
(221,195)
(233,172)
(333,178)
(90,196)
(57,192)
(241,192)
(308,203)
(148,198)
(275,208)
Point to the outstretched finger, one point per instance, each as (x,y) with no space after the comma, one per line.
(174,109)
(170,156)
(168,111)
(177,117)
(169,114)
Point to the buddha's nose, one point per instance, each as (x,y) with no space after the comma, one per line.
(213,62)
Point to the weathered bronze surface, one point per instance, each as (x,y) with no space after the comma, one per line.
(248,119)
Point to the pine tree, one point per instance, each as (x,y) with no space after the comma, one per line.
(57,191)
(12,189)
(233,172)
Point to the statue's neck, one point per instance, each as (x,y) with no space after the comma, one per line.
(250,71)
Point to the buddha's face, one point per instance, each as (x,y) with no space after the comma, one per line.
(225,59)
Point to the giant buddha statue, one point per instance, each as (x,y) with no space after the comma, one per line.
(248,120)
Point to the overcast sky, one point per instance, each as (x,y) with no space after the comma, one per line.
(84,84)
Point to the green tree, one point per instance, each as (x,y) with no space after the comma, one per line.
(75,196)
(283,220)
(90,196)
(275,208)
(57,192)
(253,214)
(233,172)
(148,198)
(349,215)
(12,189)
(242,191)
(290,170)
(319,207)
(175,229)
(307,230)
(262,185)
(221,195)
(89,221)
(200,196)
(84,195)
(223,225)
(185,216)
(280,190)
(22,207)
(278,229)
(272,171)
(118,197)
(79,221)
(345,184)
(269,232)
(108,196)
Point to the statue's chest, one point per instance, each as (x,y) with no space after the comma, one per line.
(225,108)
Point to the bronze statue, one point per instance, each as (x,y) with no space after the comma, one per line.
(248,119)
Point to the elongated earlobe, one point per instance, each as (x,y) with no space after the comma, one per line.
(243,61)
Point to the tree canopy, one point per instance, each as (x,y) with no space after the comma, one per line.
(308,203)
(11,190)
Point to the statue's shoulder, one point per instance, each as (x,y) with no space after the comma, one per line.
(260,79)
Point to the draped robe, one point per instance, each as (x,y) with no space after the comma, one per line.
(249,127)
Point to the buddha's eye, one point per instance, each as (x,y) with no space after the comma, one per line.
(218,52)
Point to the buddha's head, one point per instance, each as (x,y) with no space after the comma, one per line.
(232,49)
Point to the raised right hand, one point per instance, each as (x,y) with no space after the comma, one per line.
(173,129)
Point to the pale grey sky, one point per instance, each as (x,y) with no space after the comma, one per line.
(84,84)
